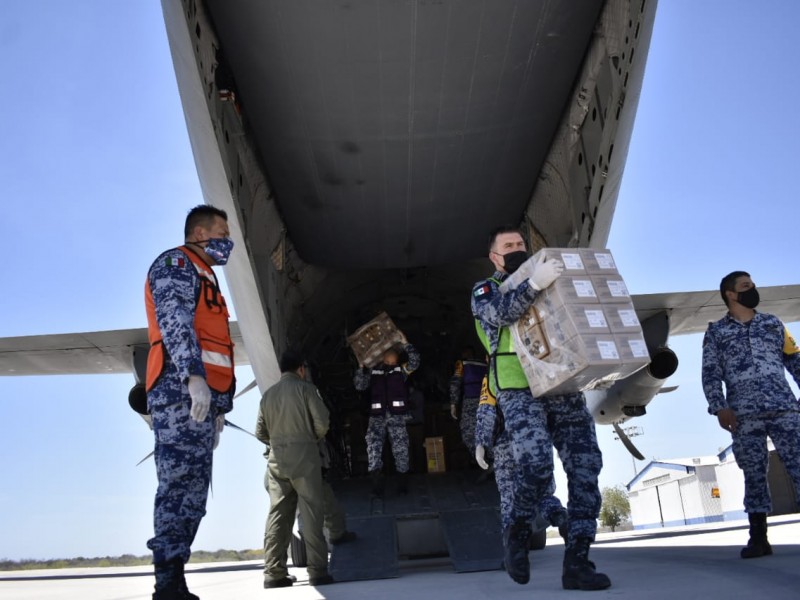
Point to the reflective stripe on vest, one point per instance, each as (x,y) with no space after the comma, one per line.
(388,389)
(505,370)
(211,329)
(216,358)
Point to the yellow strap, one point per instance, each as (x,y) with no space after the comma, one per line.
(486,394)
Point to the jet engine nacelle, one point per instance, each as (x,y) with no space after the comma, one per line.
(628,397)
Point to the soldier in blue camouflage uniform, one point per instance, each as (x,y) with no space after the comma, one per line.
(187,415)
(530,425)
(389,406)
(749,351)
(465,385)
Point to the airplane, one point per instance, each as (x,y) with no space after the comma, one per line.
(402,133)
(364,148)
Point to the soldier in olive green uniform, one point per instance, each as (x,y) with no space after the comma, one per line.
(292,419)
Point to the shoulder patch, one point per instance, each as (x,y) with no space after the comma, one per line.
(789,345)
(481,290)
(172,261)
(486,396)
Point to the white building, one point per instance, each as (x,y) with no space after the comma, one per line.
(688,491)
(682,491)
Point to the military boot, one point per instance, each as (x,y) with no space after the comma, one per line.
(182,587)
(516,538)
(579,572)
(377,484)
(170,582)
(757,545)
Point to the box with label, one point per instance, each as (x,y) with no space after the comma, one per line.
(568,289)
(434,452)
(632,347)
(566,321)
(610,288)
(598,262)
(372,339)
(621,318)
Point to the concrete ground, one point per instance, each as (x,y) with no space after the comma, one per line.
(679,563)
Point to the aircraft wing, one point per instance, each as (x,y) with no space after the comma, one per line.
(690,312)
(92,353)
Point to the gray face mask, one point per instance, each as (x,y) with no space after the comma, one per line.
(748,298)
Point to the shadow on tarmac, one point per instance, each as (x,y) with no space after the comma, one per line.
(148,573)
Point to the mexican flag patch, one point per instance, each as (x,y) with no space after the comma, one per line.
(484,289)
(174,262)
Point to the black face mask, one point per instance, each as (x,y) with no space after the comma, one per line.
(513,260)
(748,298)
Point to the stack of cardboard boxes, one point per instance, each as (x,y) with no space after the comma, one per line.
(582,330)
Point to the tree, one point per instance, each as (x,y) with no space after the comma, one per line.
(616,507)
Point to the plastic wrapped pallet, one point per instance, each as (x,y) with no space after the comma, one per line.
(372,339)
(580,331)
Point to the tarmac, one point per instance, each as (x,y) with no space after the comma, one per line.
(678,563)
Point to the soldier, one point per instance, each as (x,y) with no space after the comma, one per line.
(334,520)
(535,426)
(190,385)
(389,407)
(749,351)
(572,429)
(292,419)
(465,390)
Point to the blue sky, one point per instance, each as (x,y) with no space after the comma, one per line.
(97,174)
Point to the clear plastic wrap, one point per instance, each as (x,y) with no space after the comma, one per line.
(582,330)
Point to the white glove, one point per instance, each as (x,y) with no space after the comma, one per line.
(201,397)
(480,452)
(545,272)
(219,425)
(454,412)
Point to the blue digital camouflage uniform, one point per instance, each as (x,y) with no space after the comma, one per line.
(750,358)
(525,420)
(572,430)
(183,447)
(505,473)
(393,424)
(468,404)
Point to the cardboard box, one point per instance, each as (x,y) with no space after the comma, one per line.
(372,339)
(598,262)
(580,331)
(434,452)
(610,288)
(568,289)
(621,318)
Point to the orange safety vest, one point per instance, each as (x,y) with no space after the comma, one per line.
(210,325)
